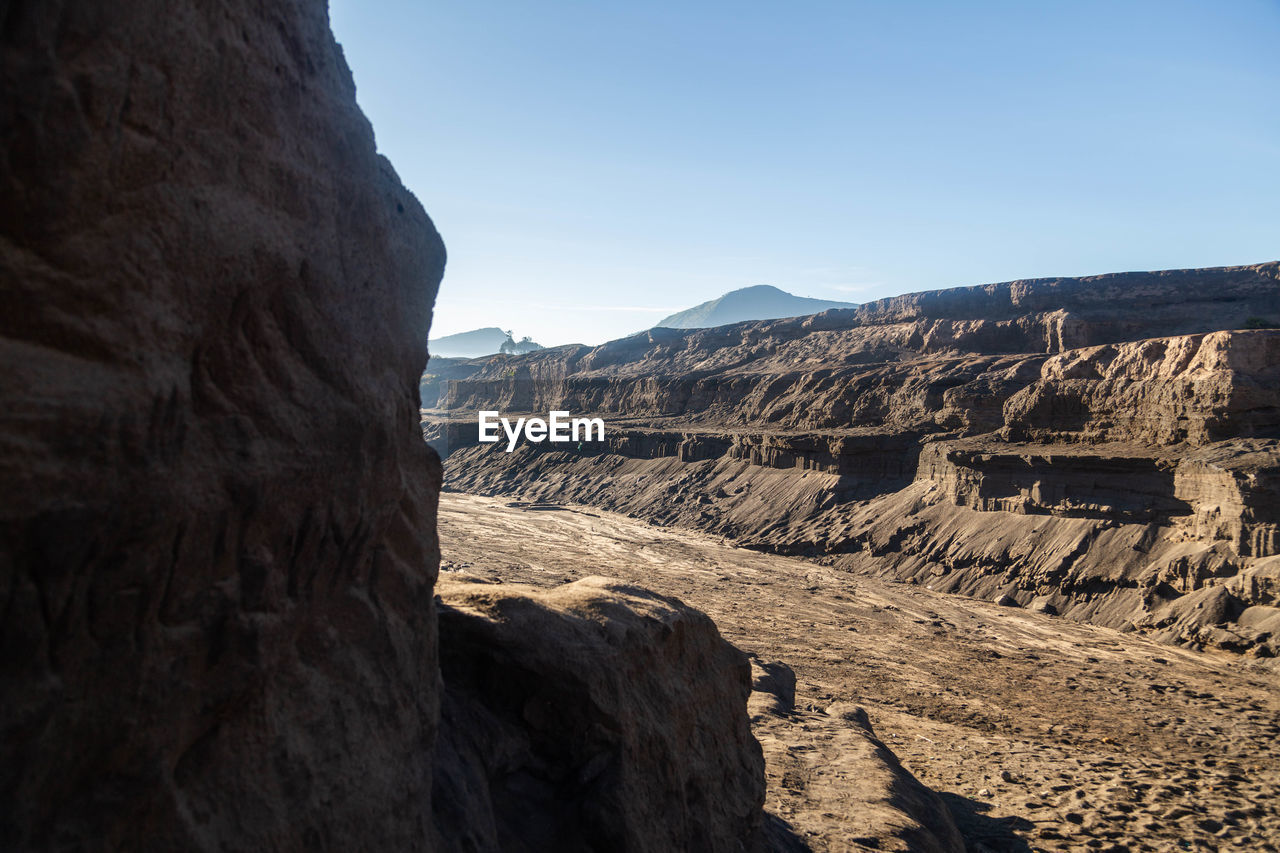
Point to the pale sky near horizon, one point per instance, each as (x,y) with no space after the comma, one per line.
(595,165)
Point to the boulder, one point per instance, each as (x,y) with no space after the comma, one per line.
(591,716)
(1043,604)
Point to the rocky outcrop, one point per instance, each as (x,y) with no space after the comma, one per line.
(218,544)
(1191,390)
(434,384)
(1104,480)
(591,716)
(218,628)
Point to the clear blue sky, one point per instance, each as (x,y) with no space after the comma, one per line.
(596,165)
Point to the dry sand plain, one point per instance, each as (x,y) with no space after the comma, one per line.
(1040,733)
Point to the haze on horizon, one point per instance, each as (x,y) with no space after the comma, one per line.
(594,167)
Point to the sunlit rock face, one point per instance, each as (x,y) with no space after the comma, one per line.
(1104,446)
(218,543)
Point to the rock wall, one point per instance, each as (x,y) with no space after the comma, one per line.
(1192,390)
(705,372)
(217,547)
(218,544)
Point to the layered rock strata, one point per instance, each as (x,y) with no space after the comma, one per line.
(1110,479)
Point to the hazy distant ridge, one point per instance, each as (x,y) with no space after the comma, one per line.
(762,302)
(479,342)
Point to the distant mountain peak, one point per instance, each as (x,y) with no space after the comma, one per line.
(480,342)
(757,302)
(757,288)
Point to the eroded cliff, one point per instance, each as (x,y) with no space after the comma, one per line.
(1022,440)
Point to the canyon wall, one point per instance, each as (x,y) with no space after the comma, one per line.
(1085,469)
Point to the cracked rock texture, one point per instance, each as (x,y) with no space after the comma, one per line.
(1102,446)
(217,544)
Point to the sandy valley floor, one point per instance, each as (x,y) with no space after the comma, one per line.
(1039,732)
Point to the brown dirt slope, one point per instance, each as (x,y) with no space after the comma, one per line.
(1039,733)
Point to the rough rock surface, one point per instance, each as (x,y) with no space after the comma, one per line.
(591,716)
(217,543)
(1022,440)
